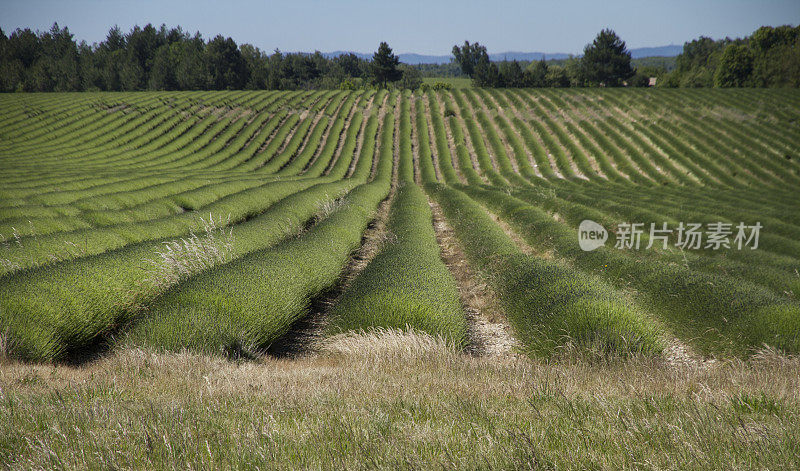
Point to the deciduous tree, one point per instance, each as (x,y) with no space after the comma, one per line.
(735,67)
(469,56)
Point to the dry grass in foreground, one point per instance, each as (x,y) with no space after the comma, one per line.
(385,401)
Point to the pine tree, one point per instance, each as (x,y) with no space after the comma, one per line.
(606,61)
(384,65)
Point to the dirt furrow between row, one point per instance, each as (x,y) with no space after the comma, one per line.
(489,333)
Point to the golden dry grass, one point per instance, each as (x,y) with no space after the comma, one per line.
(391,399)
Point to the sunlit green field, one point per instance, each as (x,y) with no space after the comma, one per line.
(95,185)
(455,82)
(147,228)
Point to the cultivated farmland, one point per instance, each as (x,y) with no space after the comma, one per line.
(217,221)
(374,278)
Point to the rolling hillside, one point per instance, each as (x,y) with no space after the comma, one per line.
(216,221)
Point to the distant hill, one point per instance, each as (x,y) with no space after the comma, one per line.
(406,58)
(527,56)
(661,51)
(412,58)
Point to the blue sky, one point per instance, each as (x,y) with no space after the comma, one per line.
(426,27)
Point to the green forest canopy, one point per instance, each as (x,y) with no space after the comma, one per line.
(150,58)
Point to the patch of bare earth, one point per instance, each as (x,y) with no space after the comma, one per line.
(489,331)
(680,355)
(523,246)
(307,336)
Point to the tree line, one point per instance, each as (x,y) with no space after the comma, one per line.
(150,58)
(605,62)
(770,57)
